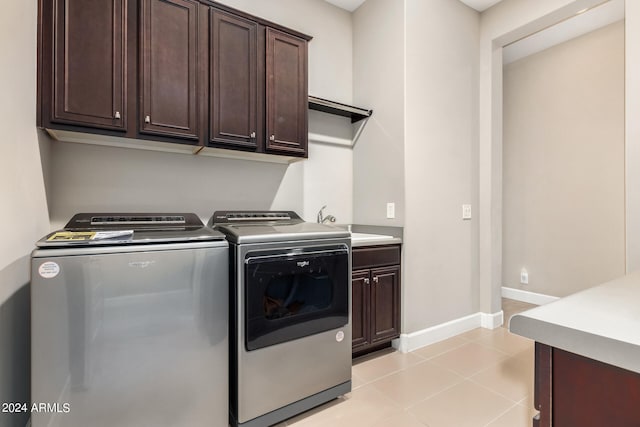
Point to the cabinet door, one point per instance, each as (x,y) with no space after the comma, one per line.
(89,84)
(234,80)
(385,303)
(169,77)
(286,95)
(360,309)
(589,393)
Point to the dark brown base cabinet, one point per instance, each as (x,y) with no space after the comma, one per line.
(375,319)
(190,72)
(575,391)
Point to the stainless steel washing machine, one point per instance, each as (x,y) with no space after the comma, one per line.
(130,323)
(290,330)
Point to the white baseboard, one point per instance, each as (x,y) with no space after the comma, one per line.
(492,320)
(416,340)
(526,296)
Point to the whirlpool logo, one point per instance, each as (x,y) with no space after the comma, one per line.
(141,264)
(302,263)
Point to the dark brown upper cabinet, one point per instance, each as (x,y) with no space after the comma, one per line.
(286,93)
(193,72)
(233,104)
(171,68)
(86,84)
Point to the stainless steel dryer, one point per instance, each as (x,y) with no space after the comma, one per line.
(290,329)
(130,323)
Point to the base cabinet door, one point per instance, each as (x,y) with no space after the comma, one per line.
(360,309)
(89,63)
(574,390)
(385,303)
(375,297)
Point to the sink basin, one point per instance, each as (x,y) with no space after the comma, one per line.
(366,236)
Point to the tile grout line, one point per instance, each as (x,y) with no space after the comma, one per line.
(501,414)
(434,395)
(516,402)
(459,377)
(390,373)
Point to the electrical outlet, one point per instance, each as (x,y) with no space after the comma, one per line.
(466,211)
(524,276)
(391,210)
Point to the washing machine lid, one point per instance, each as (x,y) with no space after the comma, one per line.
(129,228)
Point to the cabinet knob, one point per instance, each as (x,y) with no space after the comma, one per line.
(253,135)
(117,115)
(147,119)
(366,281)
(375,279)
(272,138)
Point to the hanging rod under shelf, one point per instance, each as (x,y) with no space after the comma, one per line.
(354,113)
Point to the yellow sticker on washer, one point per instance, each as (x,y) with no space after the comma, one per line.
(72,235)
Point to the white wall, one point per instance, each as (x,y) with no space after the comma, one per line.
(563,183)
(416,65)
(23,206)
(441,128)
(501,24)
(105,179)
(632,133)
(24,209)
(378,83)
(91,178)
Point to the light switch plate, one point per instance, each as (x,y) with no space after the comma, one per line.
(391,210)
(466,211)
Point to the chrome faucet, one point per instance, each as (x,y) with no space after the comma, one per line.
(322,219)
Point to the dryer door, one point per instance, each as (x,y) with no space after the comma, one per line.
(294,293)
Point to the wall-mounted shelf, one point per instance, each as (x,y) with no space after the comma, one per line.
(354,113)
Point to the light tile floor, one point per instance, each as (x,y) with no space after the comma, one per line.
(480,378)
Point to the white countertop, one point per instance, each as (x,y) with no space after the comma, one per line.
(367,239)
(601,323)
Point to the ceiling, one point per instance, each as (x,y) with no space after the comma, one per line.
(349,5)
(352,5)
(480,5)
(609,12)
(583,23)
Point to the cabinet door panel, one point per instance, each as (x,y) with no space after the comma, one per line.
(90,63)
(233,104)
(287,96)
(385,303)
(360,309)
(169,75)
(590,393)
